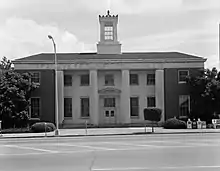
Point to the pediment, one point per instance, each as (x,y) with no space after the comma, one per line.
(109,90)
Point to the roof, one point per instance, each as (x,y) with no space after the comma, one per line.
(47,57)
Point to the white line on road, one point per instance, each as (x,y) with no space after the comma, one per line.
(156,168)
(31,148)
(86,146)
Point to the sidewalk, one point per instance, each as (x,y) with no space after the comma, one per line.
(109,131)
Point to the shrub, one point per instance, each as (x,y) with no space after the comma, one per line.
(152,114)
(40,127)
(174,123)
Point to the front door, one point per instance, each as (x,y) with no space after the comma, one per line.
(109,110)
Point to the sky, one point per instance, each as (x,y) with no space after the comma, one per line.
(187,26)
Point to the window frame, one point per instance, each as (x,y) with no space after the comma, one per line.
(149,80)
(189,105)
(81,109)
(136,78)
(109,32)
(181,81)
(81,80)
(148,99)
(71,106)
(39,78)
(30,108)
(137,107)
(113,80)
(65,82)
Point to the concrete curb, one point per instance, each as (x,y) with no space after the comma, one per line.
(113,134)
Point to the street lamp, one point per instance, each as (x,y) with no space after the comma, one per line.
(56,90)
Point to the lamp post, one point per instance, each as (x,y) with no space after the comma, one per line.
(56,90)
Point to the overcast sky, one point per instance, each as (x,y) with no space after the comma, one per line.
(188,26)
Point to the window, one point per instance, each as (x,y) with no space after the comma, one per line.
(184,105)
(151,102)
(150,79)
(134,106)
(84,107)
(108,32)
(133,79)
(109,79)
(35,77)
(182,76)
(35,107)
(109,102)
(67,107)
(67,80)
(84,80)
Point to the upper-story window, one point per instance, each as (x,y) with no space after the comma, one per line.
(134,79)
(84,80)
(150,79)
(182,74)
(109,79)
(35,77)
(108,32)
(67,80)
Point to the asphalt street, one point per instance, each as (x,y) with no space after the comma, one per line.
(151,152)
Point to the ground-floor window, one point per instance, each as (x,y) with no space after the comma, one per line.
(184,105)
(67,107)
(134,106)
(84,106)
(151,101)
(35,107)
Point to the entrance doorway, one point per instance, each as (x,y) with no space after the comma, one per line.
(109,110)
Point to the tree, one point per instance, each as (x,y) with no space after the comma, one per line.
(5,64)
(153,115)
(15,92)
(205,94)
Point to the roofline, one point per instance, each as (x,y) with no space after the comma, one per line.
(112,60)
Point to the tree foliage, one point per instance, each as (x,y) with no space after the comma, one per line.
(205,94)
(5,64)
(15,92)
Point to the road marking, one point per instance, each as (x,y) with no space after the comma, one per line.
(86,146)
(155,168)
(31,148)
(22,154)
(137,145)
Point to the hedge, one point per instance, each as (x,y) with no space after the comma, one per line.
(174,123)
(40,127)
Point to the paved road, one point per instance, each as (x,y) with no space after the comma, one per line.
(191,152)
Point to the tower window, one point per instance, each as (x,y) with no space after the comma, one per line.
(108,32)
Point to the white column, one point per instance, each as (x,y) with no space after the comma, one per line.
(94,98)
(159,91)
(125,97)
(60,89)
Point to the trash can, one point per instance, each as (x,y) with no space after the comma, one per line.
(189,124)
(194,124)
(199,124)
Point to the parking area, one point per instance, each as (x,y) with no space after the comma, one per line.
(138,152)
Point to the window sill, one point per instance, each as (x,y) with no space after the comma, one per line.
(182,82)
(84,117)
(68,118)
(84,85)
(134,117)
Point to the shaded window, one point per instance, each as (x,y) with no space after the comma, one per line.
(67,80)
(134,106)
(109,79)
(134,79)
(35,77)
(150,79)
(184,105)
(35,107)
(84,80)
(182,76)
(109,102)
(84,107)
(67,107)
(151,102)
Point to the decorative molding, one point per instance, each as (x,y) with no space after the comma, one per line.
(109,90)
